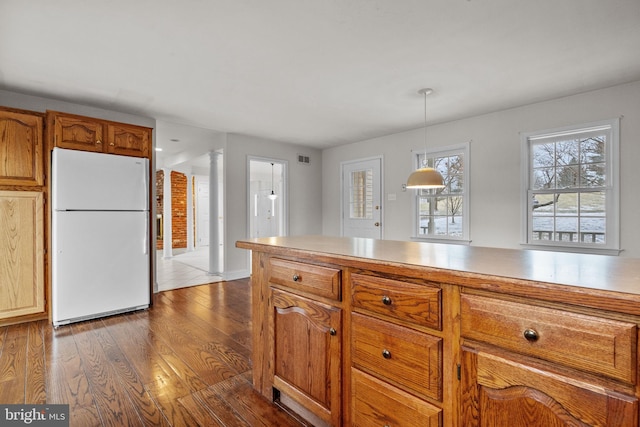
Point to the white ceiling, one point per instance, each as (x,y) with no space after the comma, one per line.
(315,72)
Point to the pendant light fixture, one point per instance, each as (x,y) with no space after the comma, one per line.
(273,195)
(425,177)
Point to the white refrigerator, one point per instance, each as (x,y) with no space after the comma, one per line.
(100,235)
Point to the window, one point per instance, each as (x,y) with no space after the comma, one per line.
(571,188)
(443,213)
(361,196)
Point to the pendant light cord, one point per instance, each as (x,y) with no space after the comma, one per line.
(424,160)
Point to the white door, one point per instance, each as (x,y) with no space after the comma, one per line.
(361,198)
(202,213)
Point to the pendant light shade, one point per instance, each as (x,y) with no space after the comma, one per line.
(273,195)
(425,177)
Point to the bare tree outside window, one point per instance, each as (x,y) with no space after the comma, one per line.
(568,178)
(440,211)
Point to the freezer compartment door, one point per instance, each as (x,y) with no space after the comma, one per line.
(83,180)
(100,264)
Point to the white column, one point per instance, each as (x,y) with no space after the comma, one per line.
(167,249)
(214,213)
(190,244)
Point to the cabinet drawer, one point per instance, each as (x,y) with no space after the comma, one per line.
(420,304)
(401,355)
(580,341)
(321,281)
(376,403)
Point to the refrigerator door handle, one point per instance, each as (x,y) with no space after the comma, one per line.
(145,249)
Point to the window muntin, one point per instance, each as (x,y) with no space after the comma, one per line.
(441,213)
(571,190)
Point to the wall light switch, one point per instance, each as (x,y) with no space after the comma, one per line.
(391,196)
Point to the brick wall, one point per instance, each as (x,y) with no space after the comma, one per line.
(178,207)
(178,210)
(159,203)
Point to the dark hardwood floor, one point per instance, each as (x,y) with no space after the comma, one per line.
(184,362)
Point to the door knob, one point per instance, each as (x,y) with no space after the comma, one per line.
(377,224)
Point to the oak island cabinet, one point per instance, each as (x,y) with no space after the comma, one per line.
(22,216)
(305,325)
(360,332)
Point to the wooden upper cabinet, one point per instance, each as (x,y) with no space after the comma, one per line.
(90,134)
(21,148)
(77,133)
(128,140)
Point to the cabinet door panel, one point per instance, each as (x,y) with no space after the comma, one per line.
(21,253)
(502,392)
(128,140)
(77,133)
(21,149)
(307,351)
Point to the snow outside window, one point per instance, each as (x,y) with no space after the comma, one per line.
(442,214)
(571,188)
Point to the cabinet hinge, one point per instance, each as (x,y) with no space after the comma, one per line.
(458,371)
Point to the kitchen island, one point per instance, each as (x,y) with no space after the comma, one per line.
(354,331)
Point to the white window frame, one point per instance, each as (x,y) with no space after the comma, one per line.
(443,152)
(611,189)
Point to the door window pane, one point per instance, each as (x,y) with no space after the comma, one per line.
(361,198)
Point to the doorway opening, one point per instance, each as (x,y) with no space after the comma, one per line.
(267,202)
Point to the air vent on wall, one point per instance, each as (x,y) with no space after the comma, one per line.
(303,159)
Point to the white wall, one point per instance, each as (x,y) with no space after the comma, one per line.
(495,165)
(304,193)
(36,103)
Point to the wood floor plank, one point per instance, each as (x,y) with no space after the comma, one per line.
(35,388)
(215,403)
(164,375)
(254,409)
(209,318)
(66,380)
(200,413)
(186,340)
(13,365)
(230,351)
(183,362)
(3,334)
(112,400)
(142,401)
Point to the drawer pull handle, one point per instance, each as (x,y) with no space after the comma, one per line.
(531,335)
(296,277)
(386,300)
(333,331)
(386,354)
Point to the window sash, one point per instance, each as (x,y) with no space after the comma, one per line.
(589,184)
(442,213)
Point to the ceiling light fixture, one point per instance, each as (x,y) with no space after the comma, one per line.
(425,177)
(273,195)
